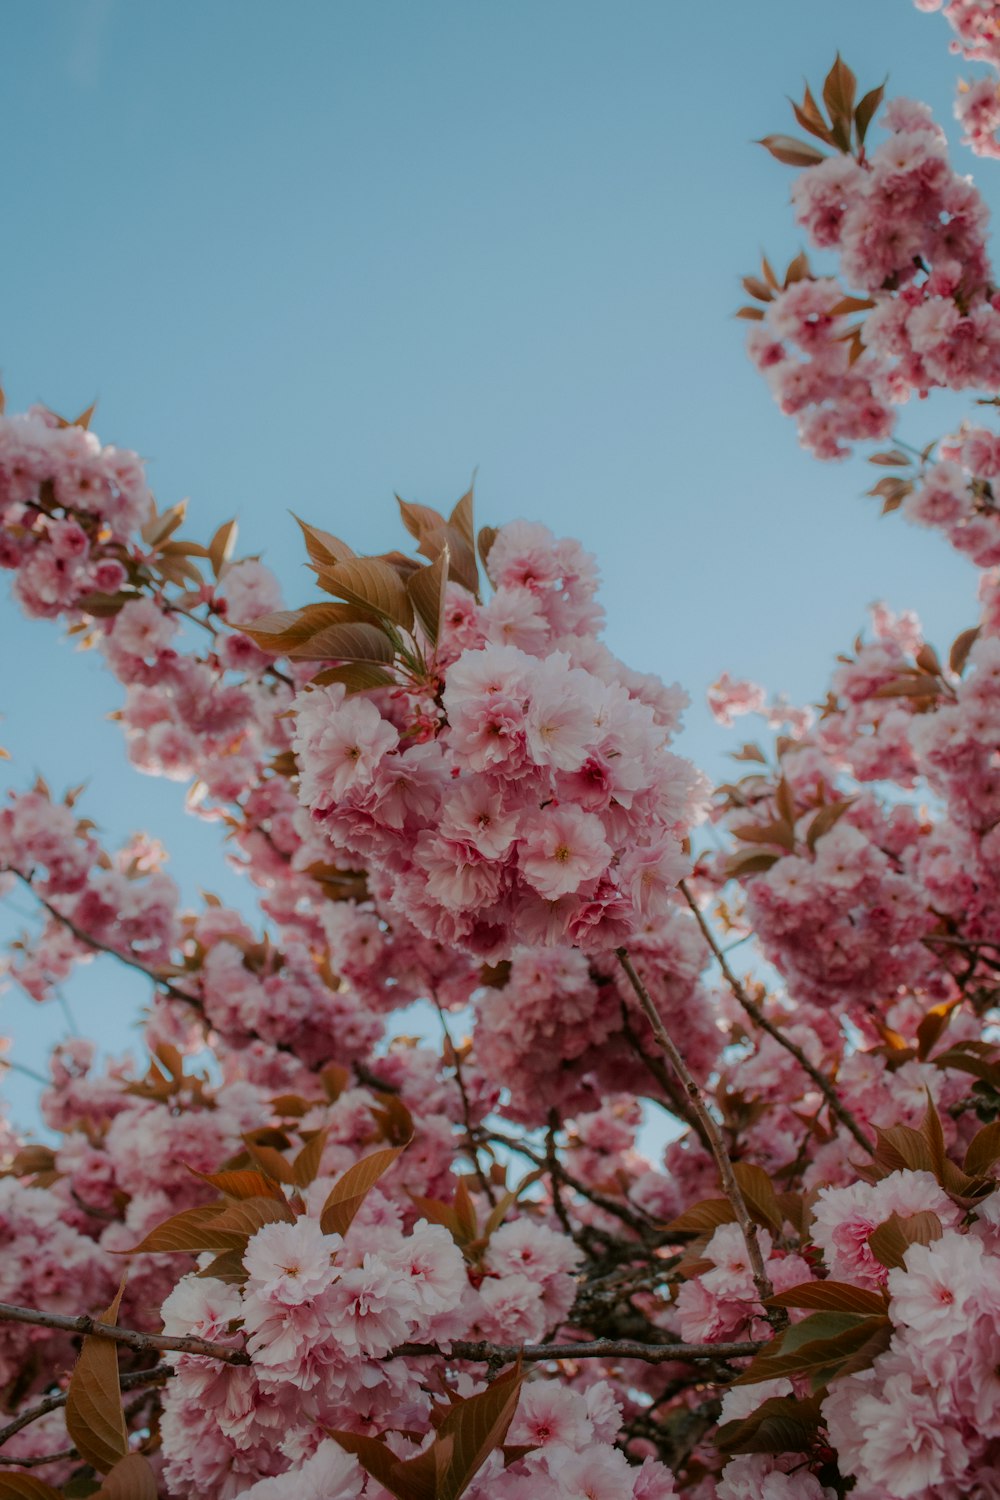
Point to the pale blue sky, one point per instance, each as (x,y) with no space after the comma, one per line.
(308,254)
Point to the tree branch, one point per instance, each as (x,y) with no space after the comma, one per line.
(653,1354)
(730,1186)
(142,1342)
(129,1381)
(756,1014)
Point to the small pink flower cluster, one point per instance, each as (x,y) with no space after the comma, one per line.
(547,806)
(911,236)
(922,1420)
(67,509)
(976,24)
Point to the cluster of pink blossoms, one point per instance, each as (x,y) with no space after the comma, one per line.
(546,807)
(910,234)
(976,24)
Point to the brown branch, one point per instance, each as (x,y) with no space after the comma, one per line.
(730,1186)
(128,959)
(653,1354)
(621,1211)
(142,1342)
(470,1139)
(756,1014)
(129,1381)
(678,1105)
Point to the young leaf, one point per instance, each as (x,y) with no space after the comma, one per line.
(306,1164)
(838,95)
(222,545)
(984,1150)
(347,1195)
(758,1191)
(357,642)
(373,584)
(891,1240)
(960,649)
(324,549)
(26,1487)
(95,1420)
(865,111)
(794,153)
(831,1296)
(130,1479)
(426,588)
(782,1424)
(703,1218)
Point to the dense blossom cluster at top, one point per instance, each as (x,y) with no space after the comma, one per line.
(910,236)
(976,24)
(534,801)
(467,801)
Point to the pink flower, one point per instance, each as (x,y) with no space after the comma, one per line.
(562,848)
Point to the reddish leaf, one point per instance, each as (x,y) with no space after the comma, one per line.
(783,1424)
(831,1296)
(984,1149)
(758,1193)
(487,536)
(825,819)
(306,1164)
(703,1218)
(347,1195)
(794,153)
(95,1420)
(373,584)
(350,641)
(131,1479)
(245,1183)
(222,545)
(426,588)
(865,111)
(26,1487)
(891,1240)
(960,649)
(324,549)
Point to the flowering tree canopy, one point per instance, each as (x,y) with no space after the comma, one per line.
(298,1255)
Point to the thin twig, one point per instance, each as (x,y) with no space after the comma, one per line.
(456,1063)
(128,959)
(143,1342)
(678,1105)
(756,1014)
(600,1200)
(730,1186)
(129,1381)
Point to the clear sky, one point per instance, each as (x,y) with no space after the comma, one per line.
(309,254)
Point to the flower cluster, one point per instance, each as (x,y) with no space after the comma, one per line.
(910,234)
(545,807)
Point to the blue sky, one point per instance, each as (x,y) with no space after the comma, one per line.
(311,254)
